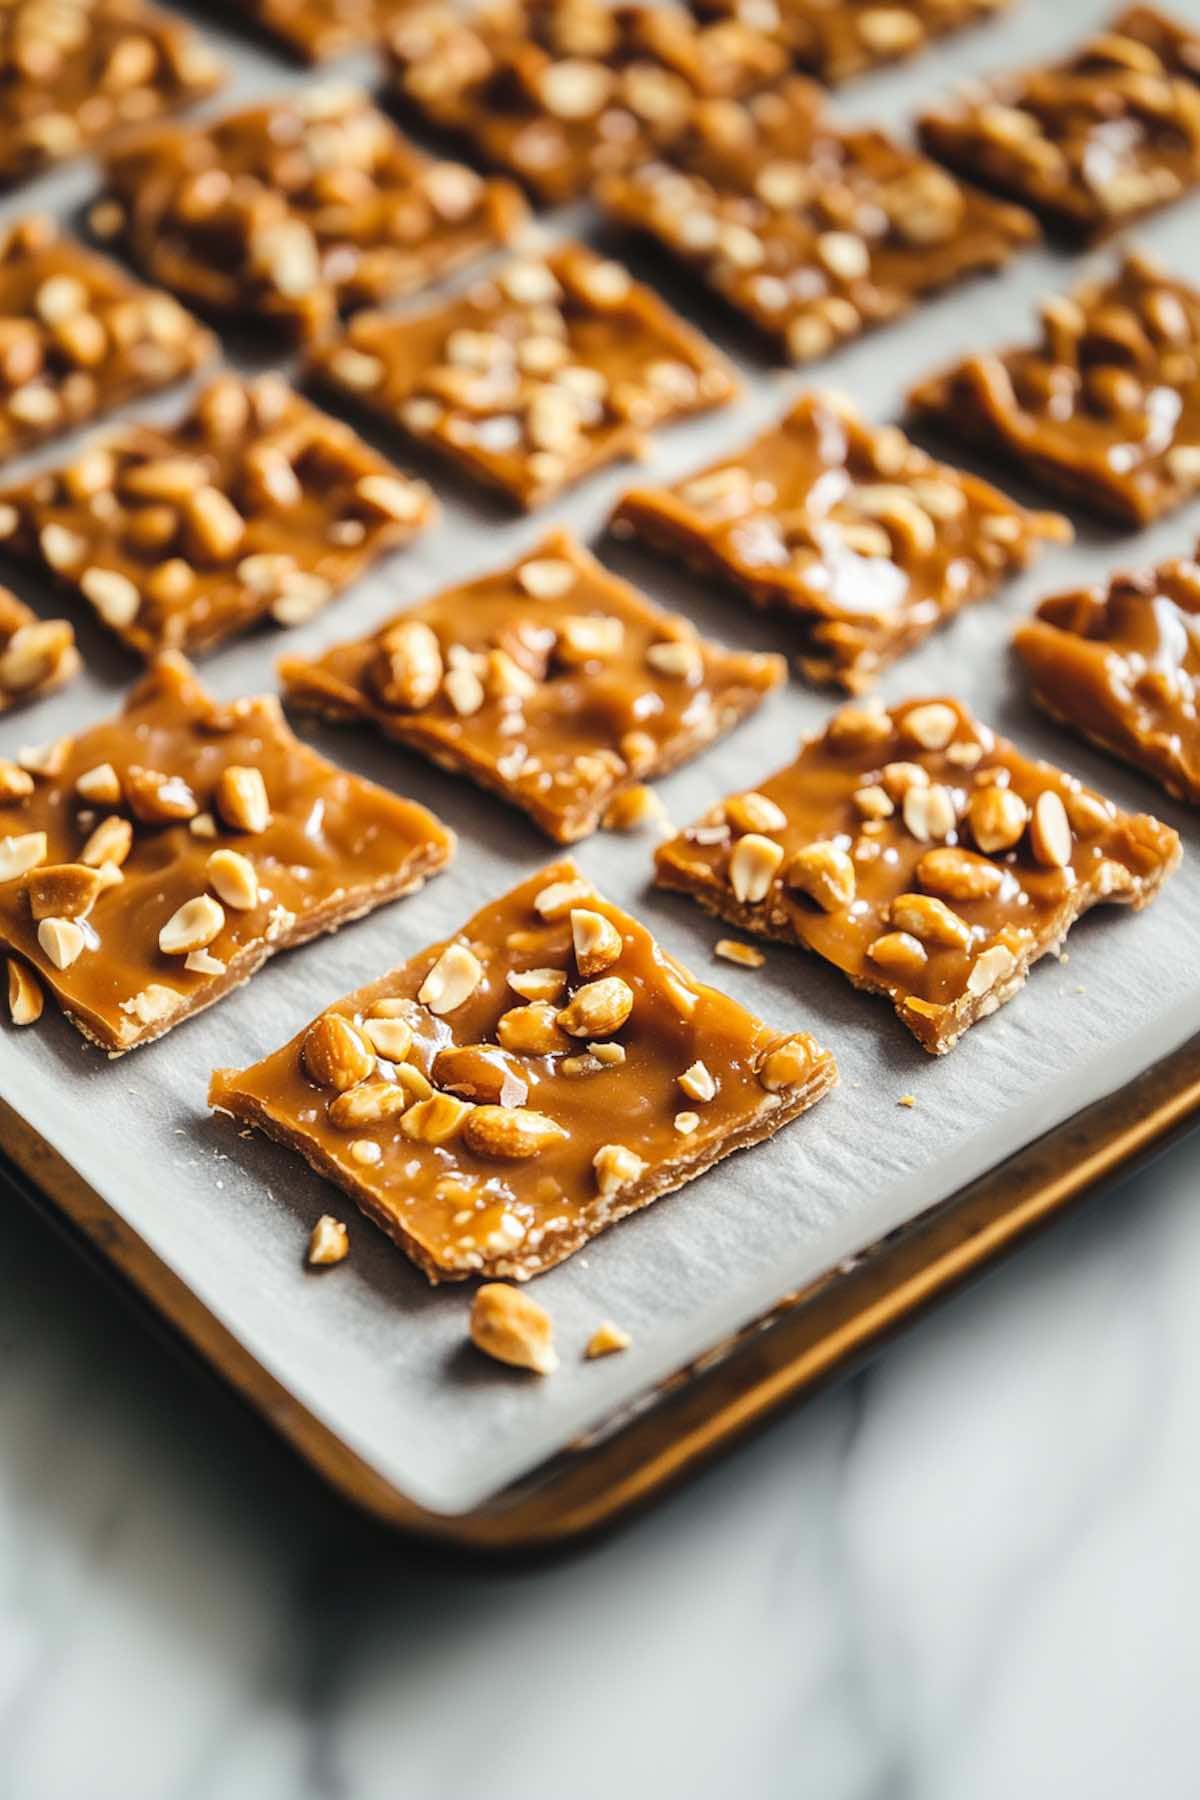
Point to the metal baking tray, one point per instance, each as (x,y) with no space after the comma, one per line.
(771,1270)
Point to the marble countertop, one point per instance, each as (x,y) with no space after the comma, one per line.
(972,1570)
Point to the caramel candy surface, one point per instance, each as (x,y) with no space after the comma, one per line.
(1103,409)
(813,231)
(285,213)
(549,682)
(923,856)
(838,39)
(1092,142)
(162,856)
(865,542)
(560,91)
(534,379)
(1121,666)
(256,504)
(497,1151)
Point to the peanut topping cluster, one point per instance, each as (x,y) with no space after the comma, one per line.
(862,539)
(923,856)
(1092,142)
(36,657)
(153,862)
(837,39)
(500,1099)
(560,91)
(1105,408)
(78,337)
(77,71)
(287,212)
(549,682)
(1121,666)
(815,232)
(255,505)
(532,380)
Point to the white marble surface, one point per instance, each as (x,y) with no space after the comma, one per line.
(971,1573)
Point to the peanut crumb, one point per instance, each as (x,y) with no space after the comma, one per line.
(329,1242)
(606,1340)
(746,955)
(507,1325)
(634,808)
(909,1100)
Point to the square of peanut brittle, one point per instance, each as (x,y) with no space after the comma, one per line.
(1092,142)
(549,682)
(535,378)
(864,542)
(1120,665)
(256,504)
(76,75)
(837,39)
(285,213)
(1104,408)
(78,337)
(923,856)
(151,863)
(814,231)
(37,656)
(504,1096)
(561,91)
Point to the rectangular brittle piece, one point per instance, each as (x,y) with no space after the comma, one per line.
(502,1097)
(78,337)
(1089,143)
(814,232)
(838,39)
(1120,665)
(286,213)
(550,683)
(75,75)
(255,505)
(37,657)
(922,855)
(157,859)
(857,536)
(1104,409)
(560,91)
(534,378)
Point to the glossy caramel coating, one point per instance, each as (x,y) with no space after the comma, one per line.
(75,76)
(1104,409)
(37,656)
(1121,666)
(255,505)
(838,39)
(859,538)
(451,1180)
(78,338)
(541,686)
(923,856)
(813,231)
(1092,142)
(331,848)
(535,378)
(559,92)
(286,213)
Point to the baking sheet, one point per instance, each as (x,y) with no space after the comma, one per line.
(369,1348)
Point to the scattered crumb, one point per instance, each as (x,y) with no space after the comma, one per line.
(633,808)
(607,1339)
(745,954)
(907,1100)
(508,1325)
(329,1243)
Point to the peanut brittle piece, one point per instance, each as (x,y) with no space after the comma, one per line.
(160,857)
(37,656)
(316,30)
(814,232)
(548,682)
(1104,409)
(838,39)
(862,540)
(1120,664)
(256,504)
(923,856)
(285,213)
(1092,142)
(78,338)
(534,379)
(78,71)
(501,1098)
(560,91)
